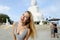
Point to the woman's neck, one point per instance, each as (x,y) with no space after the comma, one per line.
(22,24)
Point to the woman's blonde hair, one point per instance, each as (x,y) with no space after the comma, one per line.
(31,25)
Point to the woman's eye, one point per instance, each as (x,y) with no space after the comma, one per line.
(26,17)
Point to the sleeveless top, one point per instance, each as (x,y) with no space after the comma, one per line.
(20,36)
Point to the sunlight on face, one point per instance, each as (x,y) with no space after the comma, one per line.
(24,17)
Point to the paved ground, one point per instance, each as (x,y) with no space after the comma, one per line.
(42,34)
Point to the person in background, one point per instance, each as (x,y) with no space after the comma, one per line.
(52,29)
(55,30)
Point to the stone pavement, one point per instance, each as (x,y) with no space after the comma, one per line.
(42,34)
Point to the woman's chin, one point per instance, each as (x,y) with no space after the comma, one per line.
(22,21)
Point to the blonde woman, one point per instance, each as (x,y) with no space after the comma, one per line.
(24,28)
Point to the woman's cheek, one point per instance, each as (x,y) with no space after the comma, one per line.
(25,19)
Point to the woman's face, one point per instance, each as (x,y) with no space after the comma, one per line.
(25,17)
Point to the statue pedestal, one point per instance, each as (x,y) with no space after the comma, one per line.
(41,23)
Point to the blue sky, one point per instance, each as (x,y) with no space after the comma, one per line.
(14,8)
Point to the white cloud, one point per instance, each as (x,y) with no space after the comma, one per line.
(4,9)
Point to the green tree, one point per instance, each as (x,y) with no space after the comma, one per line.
(3,18)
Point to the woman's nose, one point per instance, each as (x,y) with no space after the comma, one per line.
(23,17)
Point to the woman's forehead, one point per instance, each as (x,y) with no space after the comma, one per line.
(26,14)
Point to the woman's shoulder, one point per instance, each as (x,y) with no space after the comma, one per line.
(14,24)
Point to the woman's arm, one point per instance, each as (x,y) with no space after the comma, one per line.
(28,34)
(14,37)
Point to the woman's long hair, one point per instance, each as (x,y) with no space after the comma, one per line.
(31,25)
